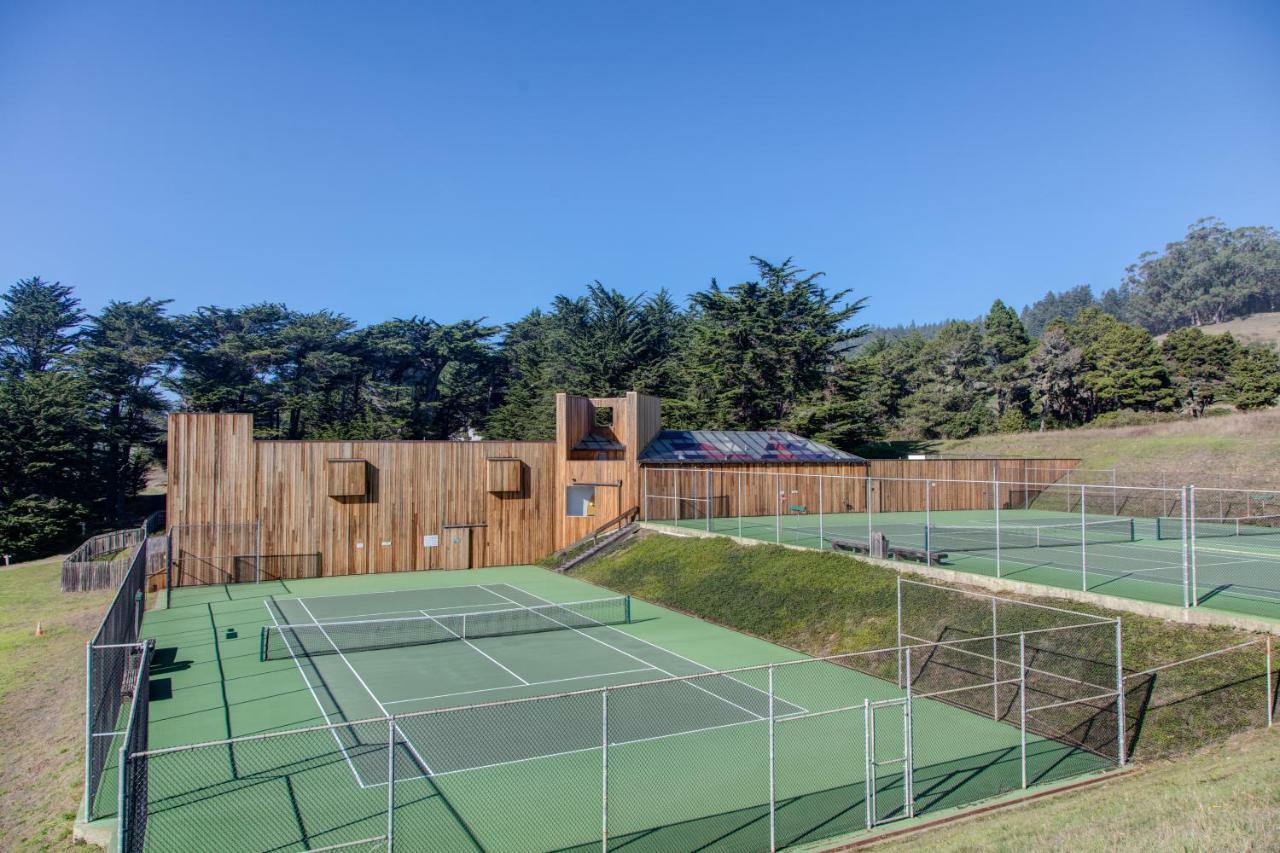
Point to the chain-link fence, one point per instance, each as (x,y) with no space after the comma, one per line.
(760,757)
(1179,546)
(113,664)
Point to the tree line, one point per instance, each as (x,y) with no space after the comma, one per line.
(84,397)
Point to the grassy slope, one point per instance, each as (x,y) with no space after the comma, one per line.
(1226,797)
(42,704)
(1258,329)
(1241,448)
(827,603)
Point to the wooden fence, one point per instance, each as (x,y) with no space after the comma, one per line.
(101,561)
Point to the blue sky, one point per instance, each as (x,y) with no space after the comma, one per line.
(474,159)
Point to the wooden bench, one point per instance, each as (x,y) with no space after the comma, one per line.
(900,552)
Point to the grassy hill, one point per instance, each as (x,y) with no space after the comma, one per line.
(1222,798)
(1258,329)
(1235,449)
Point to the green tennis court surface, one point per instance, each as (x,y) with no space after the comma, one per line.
(1240,574)
(688,760)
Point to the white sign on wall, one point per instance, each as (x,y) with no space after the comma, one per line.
(430,541)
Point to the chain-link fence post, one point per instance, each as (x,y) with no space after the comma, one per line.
(1191,511)
(391,783)
(773,775)
(1084,550)
(995,664)
(868,794)
(1120,710)
(995,499)
(1270,695)
(822,532)
(1186,553)
(908,759)
(777,507)
(898,644)
(604,770)
(88,727)
(1022,705)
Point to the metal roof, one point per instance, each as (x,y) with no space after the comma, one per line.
(596,441)
(706,445)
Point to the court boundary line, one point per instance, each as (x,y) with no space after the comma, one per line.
(705,669)
(372,695)
(476,649)
(530,684)
(311,689)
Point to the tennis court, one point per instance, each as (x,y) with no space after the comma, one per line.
(1236,564)
(516,709)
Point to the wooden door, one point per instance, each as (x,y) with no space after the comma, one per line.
(457,548)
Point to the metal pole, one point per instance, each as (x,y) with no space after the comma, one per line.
(1022,704)
(257,553)
(738,478)
(899,643)
(1115,505)
(679,503)
(928,512)
(995,495)
(1120,711)
(1084,559)
(773,807)
(88,725)
(868,498)
(391,783)
(777,508)
(1186,555)
(822,533)
(908,776)
(1191,514)
(646,494)
(168,570)
(868,772)
(1270,695)
(604,769)
(708,500)
(995,664)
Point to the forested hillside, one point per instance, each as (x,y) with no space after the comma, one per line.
(83,398)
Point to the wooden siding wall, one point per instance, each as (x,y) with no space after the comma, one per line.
(416,489)
(755,489)
(896,486)
(218,475)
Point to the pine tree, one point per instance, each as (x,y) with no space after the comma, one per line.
(1255,378)
(1198,366)
(36,324)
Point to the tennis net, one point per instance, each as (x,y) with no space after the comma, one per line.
(339,637)
(989,537)
(1170,527)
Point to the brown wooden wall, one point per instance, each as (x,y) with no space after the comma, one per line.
(896,486)
(218,474)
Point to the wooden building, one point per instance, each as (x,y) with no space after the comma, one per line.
(240,507)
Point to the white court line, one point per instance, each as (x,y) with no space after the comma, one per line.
(307,681)
(633,657)
(372,695)
(704,668)
(513,687)
(430,611)
(476,648)
(612,743)
(393,592)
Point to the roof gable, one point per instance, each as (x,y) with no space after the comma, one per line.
(704,445)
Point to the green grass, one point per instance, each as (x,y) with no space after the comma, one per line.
(822,603)
(1226,797)
(42,704)
(1237,449)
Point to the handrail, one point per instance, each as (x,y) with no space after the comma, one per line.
(593,537)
